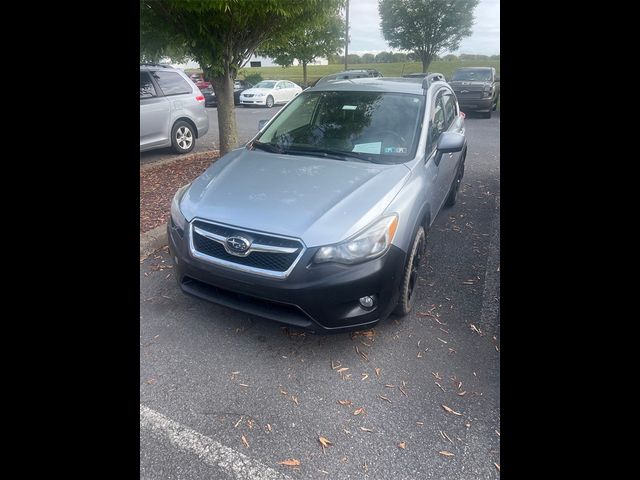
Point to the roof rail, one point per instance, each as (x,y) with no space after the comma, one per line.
(429,79)
(155,65)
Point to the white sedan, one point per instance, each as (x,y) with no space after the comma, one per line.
(270,92)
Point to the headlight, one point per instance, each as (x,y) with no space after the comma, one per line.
(487,91)
(176,215)
(370,243)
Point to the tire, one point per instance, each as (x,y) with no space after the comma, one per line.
(183,137)
(455,186)
(269,102)
(409,283)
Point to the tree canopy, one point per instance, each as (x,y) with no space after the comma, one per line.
(323,38)
(426,27)
(221,35)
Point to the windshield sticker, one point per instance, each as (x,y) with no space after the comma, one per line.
(395,150)
(349,107)
(368,147)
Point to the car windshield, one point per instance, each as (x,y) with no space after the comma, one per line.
(347,125)
(266,84)
(476,75)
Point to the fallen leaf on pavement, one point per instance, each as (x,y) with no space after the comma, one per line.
(476,329)
(269,426)
(324,442)
(364,376)
(462,393)
(290,463)
(446,454)
(359,411)
(388,385)
(366,429)
(402,445)
(384,398)
(437,375)
(344,402)
(377,372)
(244,440)
(440,387)
(402,391)
(333,367)
(450,410)
(497,432)
(497,465)
(295,399)
(343,369)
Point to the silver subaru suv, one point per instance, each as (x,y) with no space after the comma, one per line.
(320,221)
(172,111)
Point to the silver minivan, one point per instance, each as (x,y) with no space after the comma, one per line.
(172,111)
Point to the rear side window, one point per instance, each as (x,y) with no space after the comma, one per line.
(172,83)
(449,109)
(147,90)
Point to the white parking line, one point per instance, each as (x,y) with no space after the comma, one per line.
(208,450)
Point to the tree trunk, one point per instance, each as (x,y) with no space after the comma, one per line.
(304,73)
(223,86)
(426,61)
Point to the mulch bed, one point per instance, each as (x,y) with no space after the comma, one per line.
(159,183)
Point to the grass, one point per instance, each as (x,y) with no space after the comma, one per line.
(314,72)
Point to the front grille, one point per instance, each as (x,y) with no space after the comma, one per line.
(469,94)
(248,95)
(275,262)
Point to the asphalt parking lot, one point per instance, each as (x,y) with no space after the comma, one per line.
(247,119)
(227,395)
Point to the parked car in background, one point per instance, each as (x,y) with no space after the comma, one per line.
(477,89)
(320,221)
(270,93)
(239,86)
(368,73)
(172,112)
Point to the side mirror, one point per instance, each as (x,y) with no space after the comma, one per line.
(497,79)
(450,142)
(261,124)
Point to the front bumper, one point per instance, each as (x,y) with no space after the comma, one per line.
(322,298)
(475,104)
(253,101)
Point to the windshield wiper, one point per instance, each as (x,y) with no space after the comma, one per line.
(329,153)
(267,147)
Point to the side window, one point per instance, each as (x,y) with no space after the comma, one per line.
(147,90)
(291,85)
(437,125)
(280,85)
(172,83)
(449,109)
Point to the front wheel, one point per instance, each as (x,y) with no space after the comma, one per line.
(182,137)
(269,102)
(410,276)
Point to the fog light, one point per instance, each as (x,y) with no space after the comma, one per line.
(366,302)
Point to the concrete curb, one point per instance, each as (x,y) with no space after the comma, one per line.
(153,240)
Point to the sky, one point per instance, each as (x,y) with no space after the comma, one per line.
(366,37)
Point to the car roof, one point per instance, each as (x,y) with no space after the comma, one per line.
(374,84)
(474,68)
(155,66)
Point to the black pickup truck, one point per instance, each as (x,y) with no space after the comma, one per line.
(477,89)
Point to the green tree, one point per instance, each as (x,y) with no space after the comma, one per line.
(384,57)
(426,26)
(353,58)
(323,38)
(450,57)
(221,35)
(368,58)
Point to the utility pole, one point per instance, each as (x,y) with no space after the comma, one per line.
(346,38)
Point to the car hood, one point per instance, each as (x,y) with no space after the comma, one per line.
(321,201)
(258,90)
